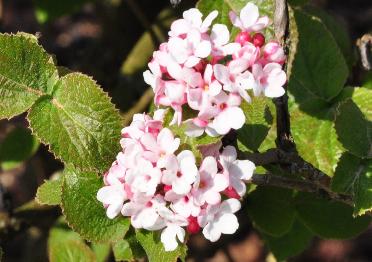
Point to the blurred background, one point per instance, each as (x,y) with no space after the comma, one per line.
(112,41)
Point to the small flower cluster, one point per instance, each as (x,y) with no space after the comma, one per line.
(201,69)
(160,186)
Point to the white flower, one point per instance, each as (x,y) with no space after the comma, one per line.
(173,229)
(143,211)
(192,19)
(269,80)
(249,19)
(180,172)
(113,197)
(237,170)
(144,178)
(219,219)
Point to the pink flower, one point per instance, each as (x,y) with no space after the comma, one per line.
(180,172)
(209,184)
(249,19)
(220,37)
(229,116)
(158,148)
(144,212)
(113,198)
(143,123)
(173,229)
(186,206)
(236,170)
(196,127)
(269,80)
(115,175)
(192,19)
(238,82)
(190,50)
(273,52)
(219,219)
(144,178)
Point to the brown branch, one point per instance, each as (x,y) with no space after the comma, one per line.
(281,24)
(365,50)
(300,185)
(293,163)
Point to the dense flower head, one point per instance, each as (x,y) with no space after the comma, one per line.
(160,186)
(156,181)
(201,70)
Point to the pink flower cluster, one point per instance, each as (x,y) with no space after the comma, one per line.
(201,70)
(162,187)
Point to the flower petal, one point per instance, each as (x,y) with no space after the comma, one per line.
(220,35)
(204,49)
(242,169)
(208,21)
(212,232)
(228,224)
(230,206)
(249,15)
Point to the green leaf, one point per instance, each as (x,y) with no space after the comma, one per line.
(150,241)
(329,219)
(362,97)
(259,119)
(291,243)
(337,29)
(84,213)
(354,176)
(66,245)
(271,210)
(316,138)
(18,146)
(79,123)
(354,123)
(122,251)
(128,249)
(49,193)
(26,73)
(101,251)
(316,52)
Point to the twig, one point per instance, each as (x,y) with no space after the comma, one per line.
(281,24)
(295,165)
(139,107)
(300,185)
(365,47)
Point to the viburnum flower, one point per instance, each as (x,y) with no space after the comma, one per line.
(219,219)
(237,171)
(192,19)
(209,183)
(178,194)
(200,75)
(113,197)
(199,62)
(249,19)
(270,79)
(180,172)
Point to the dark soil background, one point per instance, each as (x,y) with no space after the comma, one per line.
(95,40)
